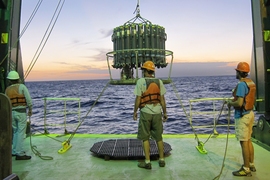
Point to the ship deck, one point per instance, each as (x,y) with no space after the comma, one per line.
(183,162)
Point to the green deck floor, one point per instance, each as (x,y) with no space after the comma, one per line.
(184,162)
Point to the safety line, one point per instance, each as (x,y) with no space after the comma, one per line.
(72,135)
(189,118)
(226,147)
(180,101)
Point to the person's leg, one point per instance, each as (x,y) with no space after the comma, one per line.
(242,132)
(251,156)
(144,135)
(14,133)
(251,151)
(146,149)
(245,153)
(250,145)
(21,133)
(160,149)
(161,161)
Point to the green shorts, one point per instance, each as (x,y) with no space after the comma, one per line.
(243,126)
(150,125)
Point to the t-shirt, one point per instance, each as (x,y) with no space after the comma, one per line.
(242,91)
(140,88)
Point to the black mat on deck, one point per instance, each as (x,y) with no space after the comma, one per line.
(126,149)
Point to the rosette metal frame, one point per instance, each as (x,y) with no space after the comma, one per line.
(135,42)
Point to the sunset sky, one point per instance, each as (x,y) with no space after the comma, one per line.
(207,37)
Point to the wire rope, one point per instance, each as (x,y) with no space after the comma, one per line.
(24,29)
(45,39)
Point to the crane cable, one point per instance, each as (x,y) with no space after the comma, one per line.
(24,29)
(45,39)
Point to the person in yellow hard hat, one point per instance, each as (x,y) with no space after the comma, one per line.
(243,103)
(150,99)
(20,101)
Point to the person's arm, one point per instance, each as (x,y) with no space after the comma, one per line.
(240,93)
(238,103)
(163,105)
(28,99)
(136,107)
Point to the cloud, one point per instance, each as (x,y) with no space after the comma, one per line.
(197,69)
(99,56)
(106,33)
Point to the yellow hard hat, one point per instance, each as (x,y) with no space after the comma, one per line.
(149,65)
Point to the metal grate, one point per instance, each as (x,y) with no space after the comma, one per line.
(126,149)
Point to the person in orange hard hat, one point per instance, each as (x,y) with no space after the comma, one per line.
(150,99)
(243,103)
(21,101)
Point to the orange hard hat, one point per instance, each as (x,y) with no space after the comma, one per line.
(149,65)
(243,67)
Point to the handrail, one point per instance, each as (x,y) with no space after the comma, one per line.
(64,111)
(211,113)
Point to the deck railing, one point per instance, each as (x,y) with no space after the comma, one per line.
(60,106)
(212,109)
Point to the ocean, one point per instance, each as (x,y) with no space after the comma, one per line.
(109,109)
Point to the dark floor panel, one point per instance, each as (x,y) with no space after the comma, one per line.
(125,149)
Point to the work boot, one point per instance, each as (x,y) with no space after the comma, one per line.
(144,165)
(252,168)
(24,157)
(242,172)
(161,163)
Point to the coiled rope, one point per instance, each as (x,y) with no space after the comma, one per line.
(34,148)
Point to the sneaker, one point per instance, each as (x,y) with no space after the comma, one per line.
(242,172)
(24,157)
(161,163)
(252,168)
(144,165)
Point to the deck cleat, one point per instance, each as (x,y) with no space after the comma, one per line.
(66,146)
(200,148)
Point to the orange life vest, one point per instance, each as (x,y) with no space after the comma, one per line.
(152,93)
(15,97)
(249,99)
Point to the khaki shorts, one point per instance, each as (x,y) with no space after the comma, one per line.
(243,127)
(150,125)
